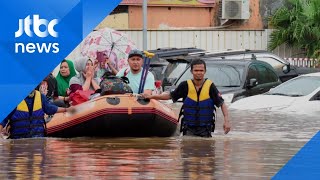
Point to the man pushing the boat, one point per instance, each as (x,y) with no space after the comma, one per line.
(27,119)
(200,97)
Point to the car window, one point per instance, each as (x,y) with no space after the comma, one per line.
(271,76)
(221,75)
(252,73)
(157,71)
(273,62)
(316,97)
(265,75)
(301,86)
(174,69)
(237,56)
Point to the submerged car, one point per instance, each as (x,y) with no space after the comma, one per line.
(301,94)
(236,79)
(283,68)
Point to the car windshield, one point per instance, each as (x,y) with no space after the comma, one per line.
(174,69)
(300,86)
(157,71)
(171,70)
(221,75)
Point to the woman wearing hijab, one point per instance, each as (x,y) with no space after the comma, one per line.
(63,78)
(85,79)
(105,64)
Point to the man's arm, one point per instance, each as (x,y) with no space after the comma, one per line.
(180,92)
(147,91)
(51,109)
(226,124)
(217,98)
(163,96)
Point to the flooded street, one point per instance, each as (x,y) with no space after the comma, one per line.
(256,148)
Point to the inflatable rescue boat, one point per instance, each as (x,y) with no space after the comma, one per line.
(122,115)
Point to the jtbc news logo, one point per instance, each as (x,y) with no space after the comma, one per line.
(31,26)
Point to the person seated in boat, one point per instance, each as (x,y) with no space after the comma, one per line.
(66,72)
(134,72)
(200,97)
(85,80)
(27,119)
(104,65)
(48,87)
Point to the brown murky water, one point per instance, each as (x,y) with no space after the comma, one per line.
(258,146)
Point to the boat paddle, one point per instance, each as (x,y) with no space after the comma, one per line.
(145,70)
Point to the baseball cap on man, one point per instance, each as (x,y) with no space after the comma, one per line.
(135,52)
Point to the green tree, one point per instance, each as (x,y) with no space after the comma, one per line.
(297,24)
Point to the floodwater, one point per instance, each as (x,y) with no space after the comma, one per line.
(259,144)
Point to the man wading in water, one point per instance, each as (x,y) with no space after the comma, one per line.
(200,97)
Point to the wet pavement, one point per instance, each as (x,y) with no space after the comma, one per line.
(259,144)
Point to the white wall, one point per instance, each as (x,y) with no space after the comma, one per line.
(211,40)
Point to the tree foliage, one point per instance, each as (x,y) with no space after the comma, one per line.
(297,24)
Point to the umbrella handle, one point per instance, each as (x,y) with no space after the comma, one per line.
(112,46)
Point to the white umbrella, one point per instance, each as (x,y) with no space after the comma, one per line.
(116,45)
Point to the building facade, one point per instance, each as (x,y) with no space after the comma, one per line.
(188,14)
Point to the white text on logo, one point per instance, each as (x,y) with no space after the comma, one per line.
(32,26)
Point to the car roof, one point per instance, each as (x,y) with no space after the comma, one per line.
(229,52)
(205,54)
(239,62)
(170,52)
(226,53)
(227,61)
(312,74)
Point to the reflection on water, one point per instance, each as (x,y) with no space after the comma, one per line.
(258,146)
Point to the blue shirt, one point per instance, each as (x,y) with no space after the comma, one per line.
(47,108)
(134,80)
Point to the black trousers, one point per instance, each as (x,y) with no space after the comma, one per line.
(201,131)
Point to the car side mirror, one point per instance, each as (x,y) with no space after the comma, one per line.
(252,83)
(286,68)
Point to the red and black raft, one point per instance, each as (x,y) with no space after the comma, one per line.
(115,116)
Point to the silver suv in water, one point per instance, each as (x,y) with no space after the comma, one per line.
(283,68)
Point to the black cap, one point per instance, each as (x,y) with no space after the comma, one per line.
(135,52)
